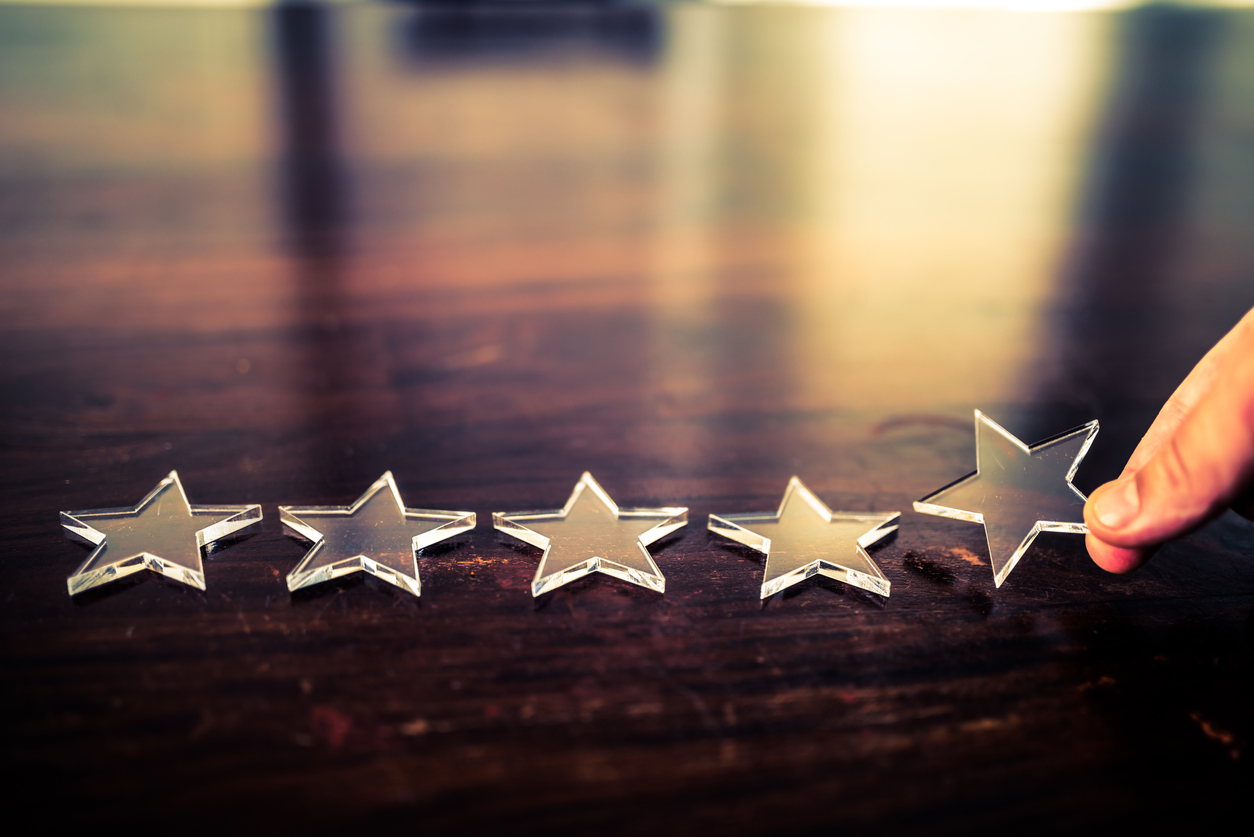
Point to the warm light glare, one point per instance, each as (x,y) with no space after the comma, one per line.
(1010,5)
(940,191)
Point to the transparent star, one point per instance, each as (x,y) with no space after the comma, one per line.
(163,533)
(805,538)
(376,534)
(1016,491)
(591,534)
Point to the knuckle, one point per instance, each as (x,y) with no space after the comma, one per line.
(1175,474)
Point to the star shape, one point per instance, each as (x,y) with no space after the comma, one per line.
(376,534)
(1016,491)
(163,533)
(806,538)
(591,534)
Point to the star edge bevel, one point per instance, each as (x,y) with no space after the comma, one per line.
(925,505)
(883,524)
(673,519)
(455,522)
(238,518)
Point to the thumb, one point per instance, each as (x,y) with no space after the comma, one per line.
(1206,463)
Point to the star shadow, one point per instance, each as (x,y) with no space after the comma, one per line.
(515,545)
(737,549)
(929,570)
(667,541)
(439,550)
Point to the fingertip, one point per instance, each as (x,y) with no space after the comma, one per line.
(1109,511)
(1115,559)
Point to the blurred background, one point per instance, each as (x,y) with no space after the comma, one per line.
(875,211)
(693,248)
(854,208)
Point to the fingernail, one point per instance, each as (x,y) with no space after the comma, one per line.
(1118,506)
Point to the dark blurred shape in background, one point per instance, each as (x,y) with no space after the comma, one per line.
(471,32)
(1135,310)
(313,171)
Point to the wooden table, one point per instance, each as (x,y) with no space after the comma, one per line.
(692,250)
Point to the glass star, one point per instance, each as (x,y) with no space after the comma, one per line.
(1016,491)
(591,534)
(805,538)
(376,534)
(163,533)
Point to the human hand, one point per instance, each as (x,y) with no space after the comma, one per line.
(1196,461)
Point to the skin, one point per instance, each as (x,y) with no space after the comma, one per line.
(1196,461)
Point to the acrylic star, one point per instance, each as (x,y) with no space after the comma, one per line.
(591,534)
(1016,491)
(376,534)
(163,533)
(805,538)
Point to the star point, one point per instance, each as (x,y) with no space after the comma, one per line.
(1017,491)
(375,534)
(591,534)
(162,532)
(805,538)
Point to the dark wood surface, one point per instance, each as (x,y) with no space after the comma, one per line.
(694,251)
